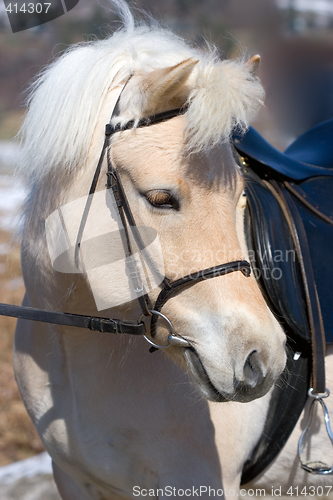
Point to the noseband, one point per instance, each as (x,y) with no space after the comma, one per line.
(169,288)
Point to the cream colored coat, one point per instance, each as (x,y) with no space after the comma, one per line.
(117,420)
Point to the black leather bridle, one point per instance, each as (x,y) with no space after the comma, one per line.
(169,288)
(127,219)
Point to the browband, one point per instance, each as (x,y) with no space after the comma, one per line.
(145,122)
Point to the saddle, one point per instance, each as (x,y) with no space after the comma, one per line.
(289,232)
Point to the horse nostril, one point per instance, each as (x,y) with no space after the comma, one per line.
(254,371)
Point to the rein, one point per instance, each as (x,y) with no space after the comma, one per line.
(116,326)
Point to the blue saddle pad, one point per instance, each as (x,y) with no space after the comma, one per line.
(310,155)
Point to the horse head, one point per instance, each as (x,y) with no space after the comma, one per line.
(181,180)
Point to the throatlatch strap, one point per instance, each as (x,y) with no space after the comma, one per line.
(89,201)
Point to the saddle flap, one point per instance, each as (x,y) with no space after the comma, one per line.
(319,231)
(273,256)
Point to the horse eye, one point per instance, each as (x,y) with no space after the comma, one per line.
(161,199)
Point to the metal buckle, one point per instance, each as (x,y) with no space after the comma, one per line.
(117,326)
(139,290)
(315,467)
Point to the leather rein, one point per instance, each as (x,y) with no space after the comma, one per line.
(169,288)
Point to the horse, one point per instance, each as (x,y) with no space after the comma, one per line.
(119,421)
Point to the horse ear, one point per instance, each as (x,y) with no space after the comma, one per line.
(167,86)
(253,64)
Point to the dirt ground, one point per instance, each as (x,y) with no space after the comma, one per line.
(18,438)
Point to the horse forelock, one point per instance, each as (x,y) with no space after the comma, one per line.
(66,99)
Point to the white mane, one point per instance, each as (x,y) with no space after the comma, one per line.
(66,99)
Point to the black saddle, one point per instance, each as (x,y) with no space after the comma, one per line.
(289,231)
(270,177)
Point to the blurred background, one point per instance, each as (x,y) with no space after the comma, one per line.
(295,40)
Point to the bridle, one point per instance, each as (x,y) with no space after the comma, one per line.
(169,288)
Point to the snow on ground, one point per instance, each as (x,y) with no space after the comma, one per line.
(9,154)
(29,479)
(12,191)
(12,194)
(38,465)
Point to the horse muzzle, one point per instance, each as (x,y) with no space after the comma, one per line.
(255,381)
